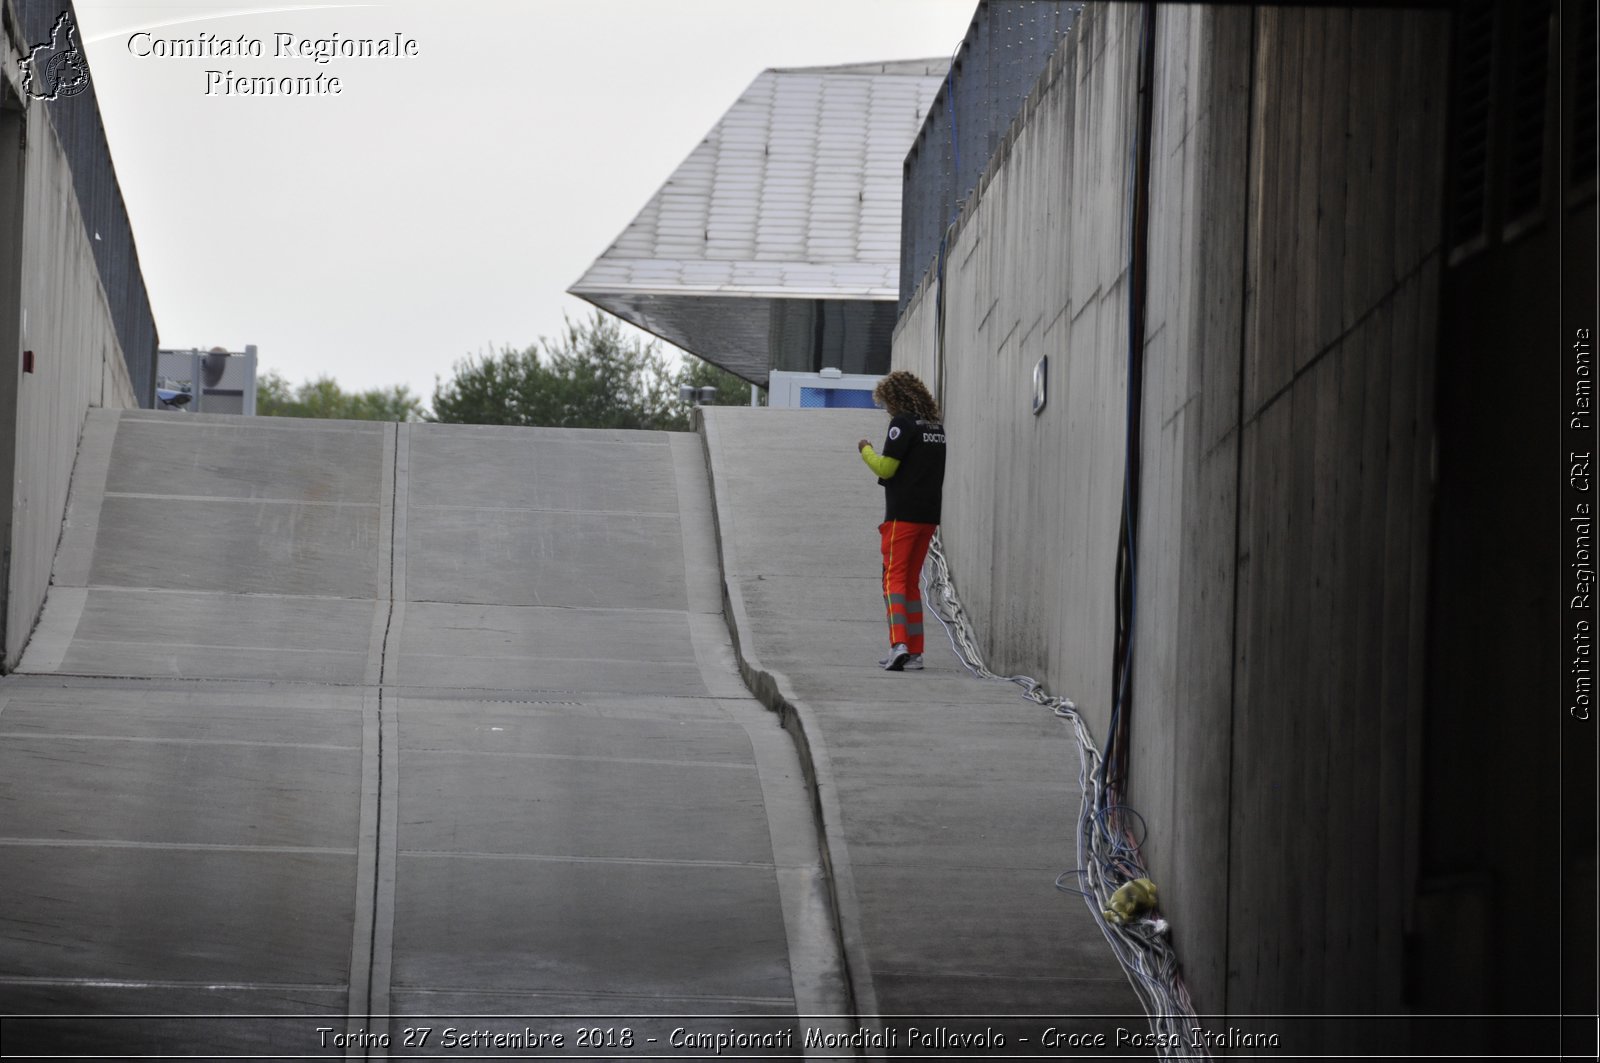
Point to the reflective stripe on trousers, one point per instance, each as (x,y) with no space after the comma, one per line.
(905,547)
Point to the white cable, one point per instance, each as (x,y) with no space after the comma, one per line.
(1141,946)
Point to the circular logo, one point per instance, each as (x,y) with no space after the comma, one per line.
(894,433)
(65,74)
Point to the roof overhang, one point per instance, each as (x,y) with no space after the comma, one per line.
(779,235)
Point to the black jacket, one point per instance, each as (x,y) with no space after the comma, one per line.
(914,493)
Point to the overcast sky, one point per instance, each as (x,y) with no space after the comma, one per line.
(440,204)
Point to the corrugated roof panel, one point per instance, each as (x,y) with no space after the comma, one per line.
(765,275)
(795,194)
(707,272)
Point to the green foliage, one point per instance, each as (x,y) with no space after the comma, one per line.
(731,391)
(323,397)
(593,376)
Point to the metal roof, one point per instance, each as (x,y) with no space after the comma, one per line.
(795,194)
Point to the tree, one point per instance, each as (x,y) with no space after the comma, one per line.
(731,391)
(323,397)
(593,376)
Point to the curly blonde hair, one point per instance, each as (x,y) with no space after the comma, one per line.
(902,392)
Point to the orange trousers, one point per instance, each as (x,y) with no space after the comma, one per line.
(905,547)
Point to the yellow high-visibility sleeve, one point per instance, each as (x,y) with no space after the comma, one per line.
(884,467)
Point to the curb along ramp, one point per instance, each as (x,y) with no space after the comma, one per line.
(335,732)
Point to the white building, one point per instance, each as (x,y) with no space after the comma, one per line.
(776,244)
(214,381)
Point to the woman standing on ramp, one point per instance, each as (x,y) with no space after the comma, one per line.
(911,470)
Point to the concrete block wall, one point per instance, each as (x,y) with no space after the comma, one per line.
(1033,502)
(53,303)
(1286,453)
(1342,272)
(77,364)
(1181,752)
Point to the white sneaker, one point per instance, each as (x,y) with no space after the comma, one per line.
(913,663)
(896,661)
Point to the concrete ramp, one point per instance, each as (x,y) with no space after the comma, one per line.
(382,726)
(949,804)
(212,547)
(355,729)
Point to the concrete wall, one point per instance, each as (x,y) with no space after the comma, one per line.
(53,303)
(81,136)
(1032,510)
(988,80)
(1286,442)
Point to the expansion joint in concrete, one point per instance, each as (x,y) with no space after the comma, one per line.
(1238,507)
(372,947)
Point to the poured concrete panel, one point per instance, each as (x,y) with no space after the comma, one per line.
(31,707)
(842,644)
(228,1020)
(545,558)
(138,913)
(240,546)
(494,647)
(153,833)
(542,469)
(601,709)
(545,634)
(187,791)
(654,730)
(494,672)
(1011,906)
(213,636)
(585,806)
(903,814)
(224,662)
(578,926)
(855,598)
(320,462)
(286,623)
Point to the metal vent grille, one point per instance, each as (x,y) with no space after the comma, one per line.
(1584,116)
(1529,105)
(1474,95)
